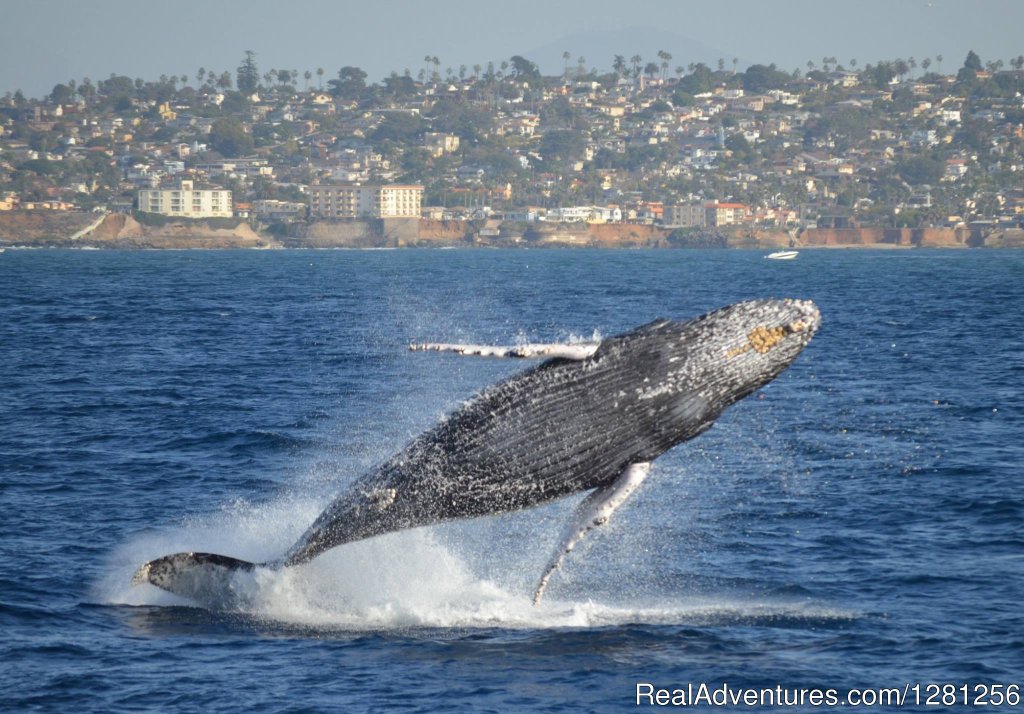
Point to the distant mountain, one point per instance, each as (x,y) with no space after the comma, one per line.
(599,48)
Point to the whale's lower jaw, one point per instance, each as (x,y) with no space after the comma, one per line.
(207,578)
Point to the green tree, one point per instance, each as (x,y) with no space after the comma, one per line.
(878,75)
(918,170)
(39,166)
(229,138)
(619,65)
(740,147)
(562,145)
(468,122)
(247,75)
(62,94)
(524,68)
(636,61)
(760,78)
(399,127)
(699,80)
(350,84)
(399,85)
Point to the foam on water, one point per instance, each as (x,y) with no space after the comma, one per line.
(401,580)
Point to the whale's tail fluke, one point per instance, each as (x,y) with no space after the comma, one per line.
(204,577)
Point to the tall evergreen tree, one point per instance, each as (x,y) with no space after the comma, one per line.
(248,76)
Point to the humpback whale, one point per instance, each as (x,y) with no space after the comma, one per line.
(589,418)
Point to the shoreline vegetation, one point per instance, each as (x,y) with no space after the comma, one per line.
(45,229)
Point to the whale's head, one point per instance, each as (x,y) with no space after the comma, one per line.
(686,373)
(742,347)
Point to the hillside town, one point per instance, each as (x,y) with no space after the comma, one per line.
(692,148)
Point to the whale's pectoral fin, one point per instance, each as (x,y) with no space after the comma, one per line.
(205,577)
(573,351)
(593,511)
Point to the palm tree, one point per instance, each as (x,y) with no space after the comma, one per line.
(938,58)
(307,75)
(565,63)
(636,61)
(619,65)
(926,63)
(665,58)
(320,77)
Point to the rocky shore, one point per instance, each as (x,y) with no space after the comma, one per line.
(117,230)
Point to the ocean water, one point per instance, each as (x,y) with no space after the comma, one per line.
(858,523)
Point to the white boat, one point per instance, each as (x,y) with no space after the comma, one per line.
(783,255)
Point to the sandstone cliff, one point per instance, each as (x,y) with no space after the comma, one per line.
(117,230)
(884,238)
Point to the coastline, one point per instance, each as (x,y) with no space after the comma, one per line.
(48,229)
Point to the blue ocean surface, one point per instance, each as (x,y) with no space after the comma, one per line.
(857,523)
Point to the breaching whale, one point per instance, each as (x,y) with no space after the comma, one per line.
(590,418)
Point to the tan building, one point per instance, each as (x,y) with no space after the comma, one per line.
(726,214)
(187,202)
(687,215)
(354,201)
(9,201)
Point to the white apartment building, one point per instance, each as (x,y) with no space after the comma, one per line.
(590,214)
(354,201)
(187,202)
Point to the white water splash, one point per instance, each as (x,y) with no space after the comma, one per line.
(401,580)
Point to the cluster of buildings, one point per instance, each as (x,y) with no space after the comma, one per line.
(828,145)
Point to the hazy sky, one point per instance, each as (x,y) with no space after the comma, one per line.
(43,42)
